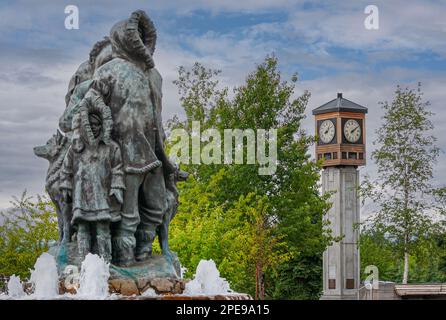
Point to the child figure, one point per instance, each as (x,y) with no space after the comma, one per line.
(92,174)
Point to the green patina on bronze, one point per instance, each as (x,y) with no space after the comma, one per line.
(109,176)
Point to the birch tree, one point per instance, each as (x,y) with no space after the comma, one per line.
(405,156)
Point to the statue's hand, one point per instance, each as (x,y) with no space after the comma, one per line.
(118,194)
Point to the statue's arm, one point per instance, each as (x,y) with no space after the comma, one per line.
(117,176)
(156,85)
(117,169)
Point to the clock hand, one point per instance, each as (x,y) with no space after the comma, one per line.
(351,131)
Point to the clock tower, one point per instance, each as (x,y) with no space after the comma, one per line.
(340,128)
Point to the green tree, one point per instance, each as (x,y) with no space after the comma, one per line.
(405,156)
(229,236)
(25,233)
(427,261)
(291,212)
(376,249)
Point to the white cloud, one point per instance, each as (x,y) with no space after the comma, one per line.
(34,74)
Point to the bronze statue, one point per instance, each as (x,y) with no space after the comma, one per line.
(116,178)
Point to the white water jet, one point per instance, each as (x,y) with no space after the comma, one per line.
(207,281)
(150,292)
(183,271)
(44,277)
(15,287)
(94,276)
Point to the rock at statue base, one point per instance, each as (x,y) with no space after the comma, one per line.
(147,287)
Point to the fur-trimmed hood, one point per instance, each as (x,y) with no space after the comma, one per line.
(93,103)
(134,39)
(83,73)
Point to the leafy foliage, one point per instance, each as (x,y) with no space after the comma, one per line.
(402,191)
(427,262)
(256,227)
(27,229)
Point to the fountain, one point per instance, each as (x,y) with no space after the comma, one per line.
(94,278)
(95,281)
(207,281)
(44,277)
(15,287)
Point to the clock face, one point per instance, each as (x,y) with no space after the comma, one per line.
(352,130)
(326,131)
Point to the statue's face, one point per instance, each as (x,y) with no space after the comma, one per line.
(95,125)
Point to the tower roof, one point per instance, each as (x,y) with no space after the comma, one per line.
(340,104)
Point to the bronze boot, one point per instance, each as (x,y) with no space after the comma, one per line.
(123,250)
(144,240)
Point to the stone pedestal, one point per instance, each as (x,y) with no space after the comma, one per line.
(341,260)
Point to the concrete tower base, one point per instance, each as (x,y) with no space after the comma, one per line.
(341,259)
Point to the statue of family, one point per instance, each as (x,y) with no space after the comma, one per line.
(112,183)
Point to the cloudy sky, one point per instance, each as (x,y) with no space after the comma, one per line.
(324,41)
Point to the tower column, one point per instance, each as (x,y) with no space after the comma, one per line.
(341,260)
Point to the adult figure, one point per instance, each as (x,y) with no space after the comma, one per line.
(135,103)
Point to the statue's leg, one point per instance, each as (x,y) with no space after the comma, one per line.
(124,239)
(152,206)
(103,238)
(83,238)
(67,229)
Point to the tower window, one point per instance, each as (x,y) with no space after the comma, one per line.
(353,155)
(327,156)
(344,155)
(349,283)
